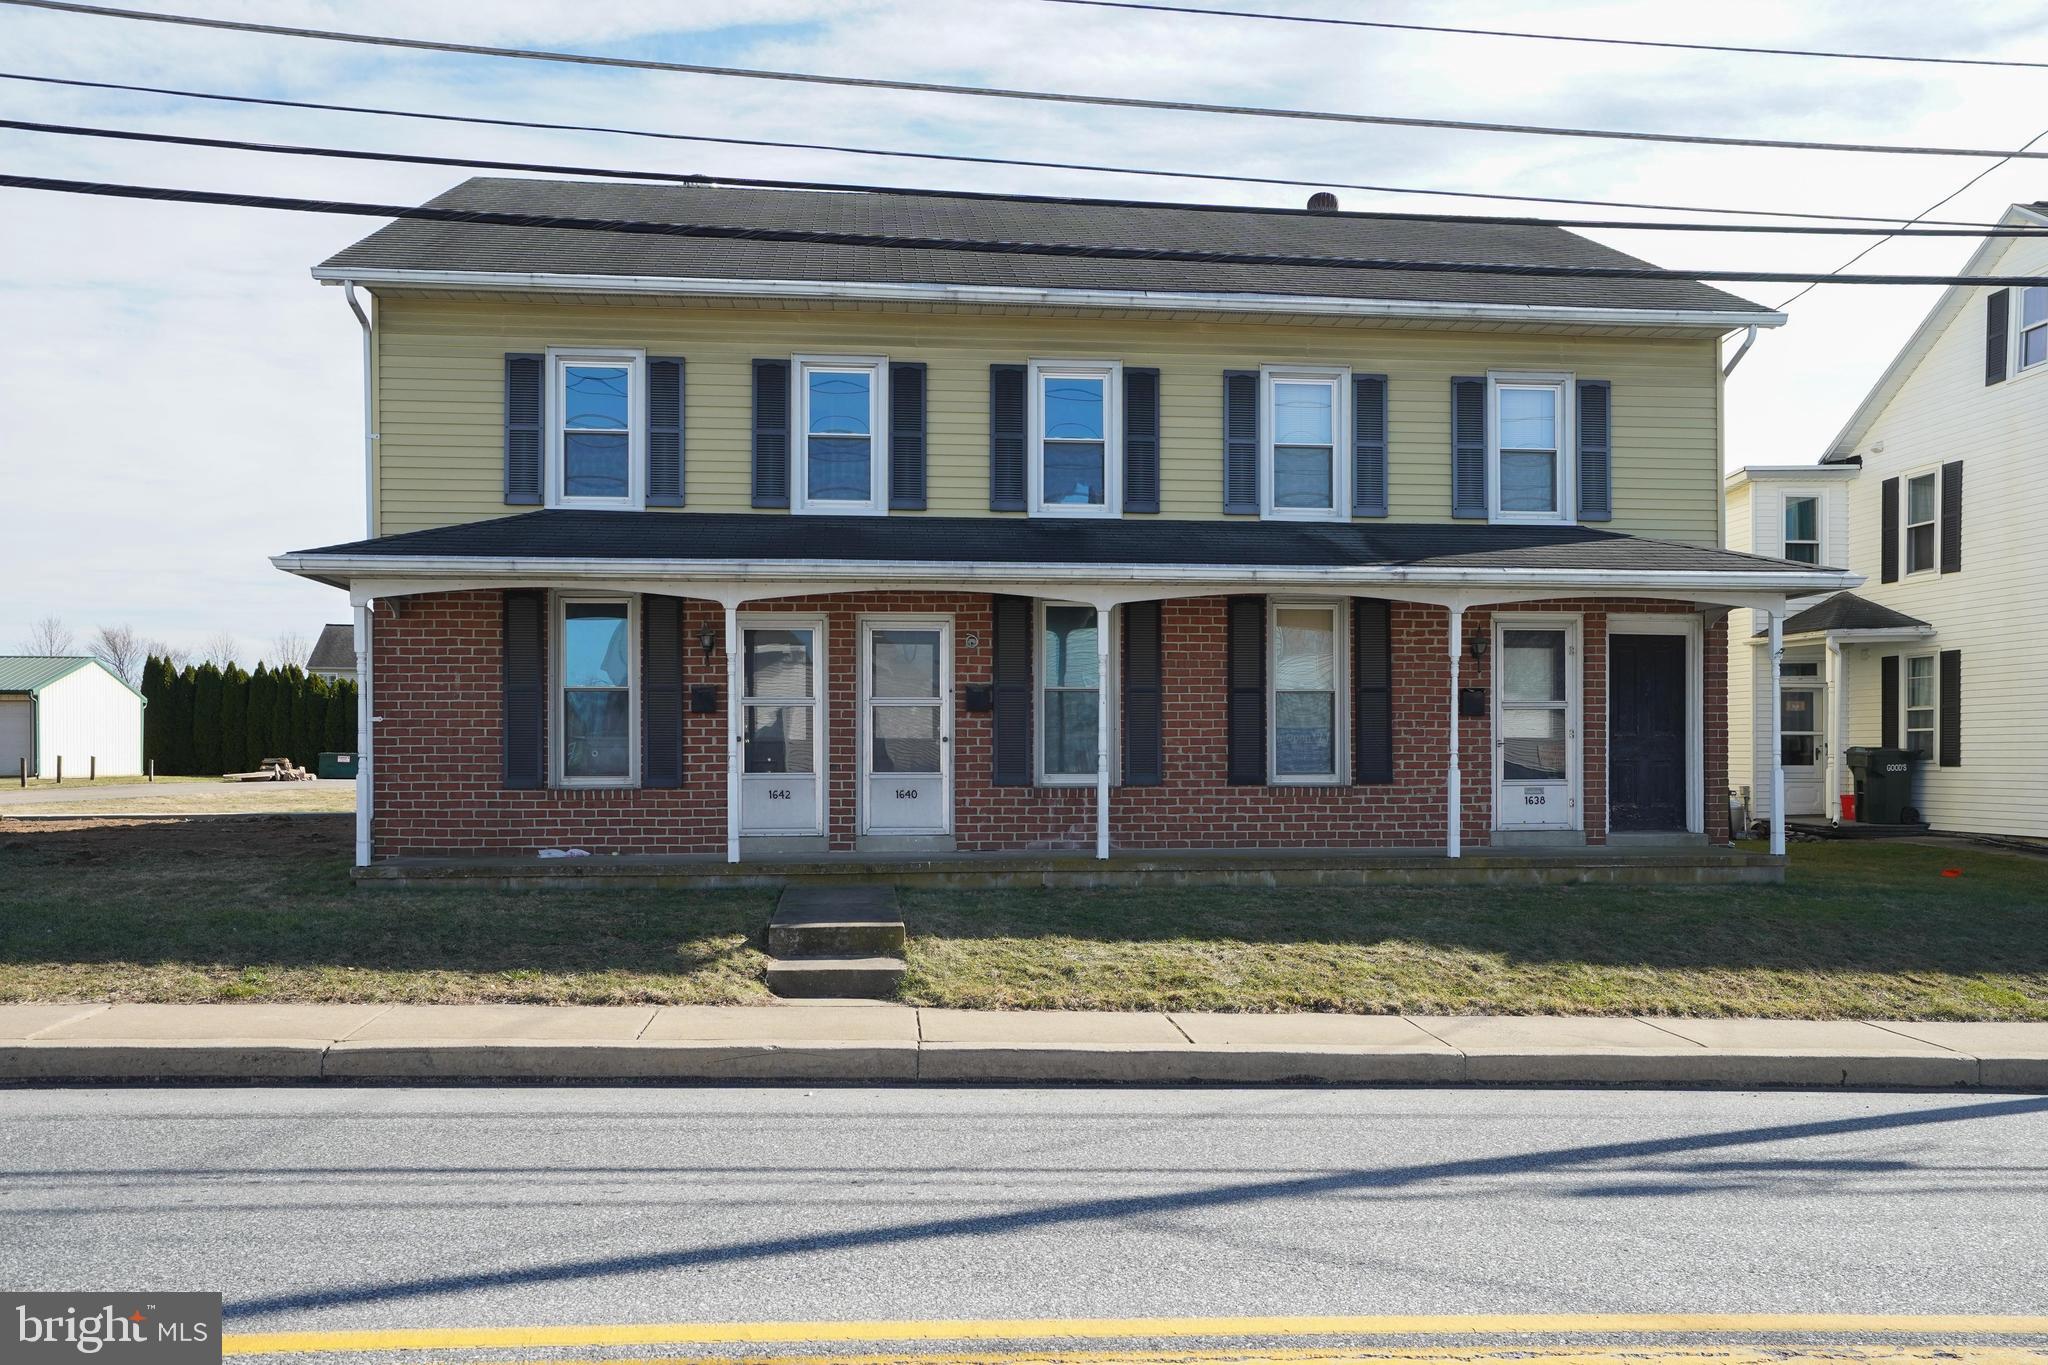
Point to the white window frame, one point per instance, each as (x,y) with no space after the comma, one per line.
(1339,380)
(1933,708)
(877,369)
(1906,523)
(1111,373)
(1820,526)
(1110,713)
(1566,386)
(558,706)
(556,474)
(1341,623)
(2019,330)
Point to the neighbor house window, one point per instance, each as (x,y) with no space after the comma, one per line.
(1802,529)
(597,430)
(594,691)
(1530,457)
(1308,724)
(1920,706)
(1076,438)
(1069,694)
(843,449)
(1920,533)
(2033,337)
(1301,469)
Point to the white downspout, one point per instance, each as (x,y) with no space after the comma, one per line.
(1454,786)
(1777,652)
(348,290)
(365,739)
(732,732)
(1740,351)
(1831,737)
(1102,731)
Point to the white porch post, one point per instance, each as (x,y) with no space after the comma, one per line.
(364,739)
(1833,737)
(1454,786)
(1777,653)
(1102,715)
(732,732)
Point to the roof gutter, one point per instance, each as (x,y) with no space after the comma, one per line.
(985,295)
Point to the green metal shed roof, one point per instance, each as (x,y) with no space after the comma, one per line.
(31,673)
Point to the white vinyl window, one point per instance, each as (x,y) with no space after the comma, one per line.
(1529,456)
(1303,475)
(1305,707)
(1919,717)
(2031,345)
(842,453)
(1070,691)
(1920,529)
(1076,441)
(597,428)
(1802,529)
(597,742)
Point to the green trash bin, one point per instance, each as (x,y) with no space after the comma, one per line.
(336,765)
(1884,784)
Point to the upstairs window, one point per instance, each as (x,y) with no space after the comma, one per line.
(1301,471)
(843,449)
(1919,727)
(1530,458)
(1076,438)
(1802,529)
(2033,331)
(597,434)
(1920,526)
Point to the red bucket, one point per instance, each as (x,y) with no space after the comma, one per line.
(1848,805)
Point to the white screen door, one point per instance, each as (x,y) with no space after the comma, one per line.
(782,776)
(1802,745)
(907,739)
(1537,735)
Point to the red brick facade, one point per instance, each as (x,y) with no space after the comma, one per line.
(438,757)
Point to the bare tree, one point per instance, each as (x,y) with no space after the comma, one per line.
(289,647)
(48,636)
(121,649)
(174,655)
(222,649)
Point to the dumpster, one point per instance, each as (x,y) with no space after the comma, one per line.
(1884,783)
(336,765)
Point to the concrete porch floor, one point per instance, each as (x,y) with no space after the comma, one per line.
(1636,863)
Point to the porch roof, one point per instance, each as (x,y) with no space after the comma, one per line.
(1847,611)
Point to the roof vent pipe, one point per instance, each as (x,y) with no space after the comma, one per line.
(1322,201)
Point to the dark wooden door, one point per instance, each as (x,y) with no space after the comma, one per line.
(1646,741)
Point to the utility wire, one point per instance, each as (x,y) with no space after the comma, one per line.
(918,192)
(1092,167)
(1548,37)
(909,242)
(1004,93)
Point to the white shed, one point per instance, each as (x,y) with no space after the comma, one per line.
(76,709)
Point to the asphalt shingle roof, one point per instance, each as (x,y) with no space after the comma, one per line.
(416,245)
(686,536)
(335,650)
(1847,611)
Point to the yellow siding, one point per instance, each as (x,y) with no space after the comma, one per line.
(441,390)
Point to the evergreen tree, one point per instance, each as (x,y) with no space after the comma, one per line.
(178,722)
(286,687)
(234,720)
(206,720)
(256,728)
(341,718)
(152,712)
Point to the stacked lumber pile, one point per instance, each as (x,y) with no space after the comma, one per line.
(271,770)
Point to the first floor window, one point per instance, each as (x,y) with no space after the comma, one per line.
(1529,451)
(596,692)
(596,431)
(1306,669)
(1802,529)
(1075,442)
(1070,696)
(839,405)
(1920,532)
(1299,445)
(2033,339)
(1920,707)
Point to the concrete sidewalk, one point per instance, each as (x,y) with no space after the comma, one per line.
(860,1042)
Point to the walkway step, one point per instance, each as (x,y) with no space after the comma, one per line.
(815,978)
(836,921)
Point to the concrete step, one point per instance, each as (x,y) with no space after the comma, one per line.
(851,978)
(836,921)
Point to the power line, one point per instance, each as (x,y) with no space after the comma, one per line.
(1006,93)
(1549,37)
(751,182)
(909,242)
(1091,167)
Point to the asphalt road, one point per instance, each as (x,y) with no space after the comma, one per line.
(388,1208)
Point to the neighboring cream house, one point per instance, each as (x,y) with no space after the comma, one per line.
(1933,491)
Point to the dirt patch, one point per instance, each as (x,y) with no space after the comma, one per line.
(96,838)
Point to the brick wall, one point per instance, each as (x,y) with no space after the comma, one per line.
(438,760)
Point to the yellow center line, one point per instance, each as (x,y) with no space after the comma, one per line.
(1057,1329)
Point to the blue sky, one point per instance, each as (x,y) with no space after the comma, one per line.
(181,401)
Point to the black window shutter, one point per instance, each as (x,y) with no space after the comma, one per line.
(1468,447)
(1596,450)
(1368,445)
(1241,441)
(771,433)
(1141,440)
(525,688)
(1888,701)
(907,425)
(1952,517)
(1950,734)
(1997,314)
(1372,672)
(1246,668)
(661,690)
(1144,696)
(1888,530)
(1012,692)
(1007,420)
(522,429)
(664,431)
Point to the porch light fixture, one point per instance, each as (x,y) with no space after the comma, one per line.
(1476,647)
(707,640)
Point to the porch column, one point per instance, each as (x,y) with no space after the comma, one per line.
(1102,715)
(365,741)
(1454,786)
(1777,652)
(732,732)
(1833,736)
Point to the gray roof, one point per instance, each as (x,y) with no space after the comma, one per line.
(334,651)
(410,244)
(1847,611)
(716,536)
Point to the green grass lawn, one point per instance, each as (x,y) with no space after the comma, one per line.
(264,910)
